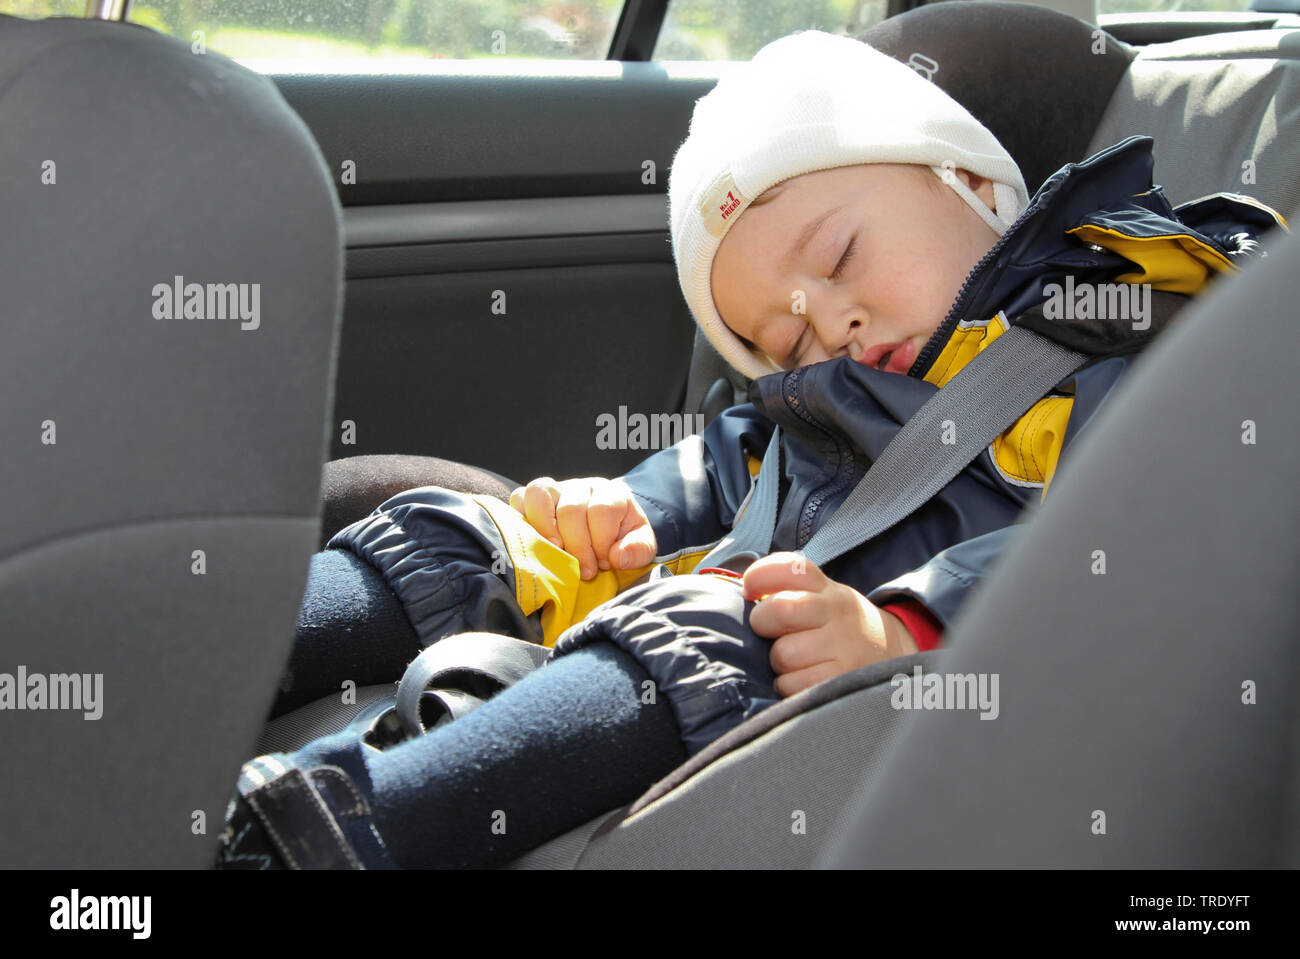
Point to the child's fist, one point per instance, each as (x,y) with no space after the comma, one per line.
(598,520)
(822,628)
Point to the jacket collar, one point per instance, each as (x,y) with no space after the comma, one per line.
(1096,220)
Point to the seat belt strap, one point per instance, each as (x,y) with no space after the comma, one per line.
(978,404)
(751,533)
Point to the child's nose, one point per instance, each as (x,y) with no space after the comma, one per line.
(838,323)
(850,339)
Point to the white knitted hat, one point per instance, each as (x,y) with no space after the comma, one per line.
(814,101)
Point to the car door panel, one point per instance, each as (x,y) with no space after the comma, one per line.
(540,195)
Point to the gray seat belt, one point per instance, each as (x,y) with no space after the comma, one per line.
(985,398)
(751,532)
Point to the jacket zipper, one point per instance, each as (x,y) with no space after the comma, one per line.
(960,304)
(844,454)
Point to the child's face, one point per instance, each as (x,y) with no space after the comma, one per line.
(884,256)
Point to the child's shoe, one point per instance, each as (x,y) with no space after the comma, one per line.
(286,817)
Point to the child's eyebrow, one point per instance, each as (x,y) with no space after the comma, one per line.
(808,232)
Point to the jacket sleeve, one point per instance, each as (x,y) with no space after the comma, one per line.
(691,491)
(943,584)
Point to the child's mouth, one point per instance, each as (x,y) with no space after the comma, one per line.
(889,357)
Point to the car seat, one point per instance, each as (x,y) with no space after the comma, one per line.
(162,475)
(1034,78)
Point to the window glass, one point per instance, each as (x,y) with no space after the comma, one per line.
(418,29)
(736,29)
(1172,6)
(39,9)
(469,29)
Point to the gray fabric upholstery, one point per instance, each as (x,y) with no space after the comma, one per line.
(1211,104)
(324,717)
(771,804)
(564,851)
(1123,693)
(172,435)
(808,752)
(707,367)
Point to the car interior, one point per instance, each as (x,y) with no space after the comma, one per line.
(496,275)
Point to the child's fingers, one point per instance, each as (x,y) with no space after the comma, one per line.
(539,499)
(790,683)
(635,547)
(782,571)
(800,650)
(636,544)
(571,517)
(605,512)
(787,611)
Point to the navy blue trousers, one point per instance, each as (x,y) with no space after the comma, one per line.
(568,742)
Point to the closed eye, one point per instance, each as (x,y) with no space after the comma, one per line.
(848,255)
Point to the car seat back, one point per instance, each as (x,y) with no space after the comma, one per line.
(172,265)
(1224,111)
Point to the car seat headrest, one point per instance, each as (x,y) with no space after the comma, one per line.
(1038,79)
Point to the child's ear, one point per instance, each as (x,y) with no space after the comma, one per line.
(981,187)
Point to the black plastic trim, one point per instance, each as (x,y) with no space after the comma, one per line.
(414,223)
(517,254)
(638,29)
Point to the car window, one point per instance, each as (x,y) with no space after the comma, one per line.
(736,29)
(36,9)
(332,30)
(1172,6)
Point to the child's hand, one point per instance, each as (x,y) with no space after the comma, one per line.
(822,628)
(598,520)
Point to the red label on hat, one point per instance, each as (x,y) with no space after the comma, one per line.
(722,201)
